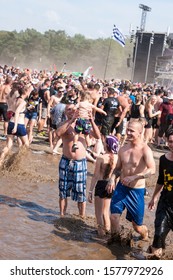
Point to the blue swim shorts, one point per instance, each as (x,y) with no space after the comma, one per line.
(130,198)
(72,179)
(21,129)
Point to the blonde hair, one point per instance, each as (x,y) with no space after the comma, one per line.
(139,122)
(138,97)
(148,102)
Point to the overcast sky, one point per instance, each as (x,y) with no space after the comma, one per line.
(91,18)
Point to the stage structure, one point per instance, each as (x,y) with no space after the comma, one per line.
(164,65)
(147,47)
(152,59)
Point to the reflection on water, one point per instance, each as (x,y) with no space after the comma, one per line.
(30,230)
(31,227)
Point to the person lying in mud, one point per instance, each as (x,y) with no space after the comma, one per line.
(163,191)
(16,125)
(135,163)
(105,165)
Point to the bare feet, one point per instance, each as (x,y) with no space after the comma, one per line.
(56,153)
(101,230)
(155,253)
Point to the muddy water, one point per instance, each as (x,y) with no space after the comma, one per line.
(31,227)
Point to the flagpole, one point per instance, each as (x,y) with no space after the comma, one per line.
(117,36)
(107,58)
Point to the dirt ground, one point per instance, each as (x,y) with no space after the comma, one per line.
(30,214)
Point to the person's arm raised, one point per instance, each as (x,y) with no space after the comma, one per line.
(95,130)
(65,126)
(99,110)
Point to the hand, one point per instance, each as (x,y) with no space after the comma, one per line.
(151,204)
(75,116)
(30,107)
(14,130)
(110,186)
(159,112)
(105,113)
(127,180)
(90,197)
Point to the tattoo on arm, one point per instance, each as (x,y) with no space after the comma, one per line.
(146,174)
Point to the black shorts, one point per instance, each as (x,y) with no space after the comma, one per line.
(3,111)
(107,125)
(119,129)
(162,129)
(154,123)
(149,123)
(100,189)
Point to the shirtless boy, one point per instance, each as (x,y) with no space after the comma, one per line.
(135,163)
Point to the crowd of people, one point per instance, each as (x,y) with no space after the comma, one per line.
(112,123)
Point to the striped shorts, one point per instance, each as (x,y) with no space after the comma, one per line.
(72,179)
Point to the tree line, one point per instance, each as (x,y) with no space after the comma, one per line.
(52,49)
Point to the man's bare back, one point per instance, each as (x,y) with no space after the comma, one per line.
(5,90)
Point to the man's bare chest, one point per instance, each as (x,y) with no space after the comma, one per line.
(133,158)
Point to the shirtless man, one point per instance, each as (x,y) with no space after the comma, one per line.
(120,118)
(72,166)
(4,91)
(135,163)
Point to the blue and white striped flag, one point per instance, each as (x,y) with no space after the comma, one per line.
(118,36)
